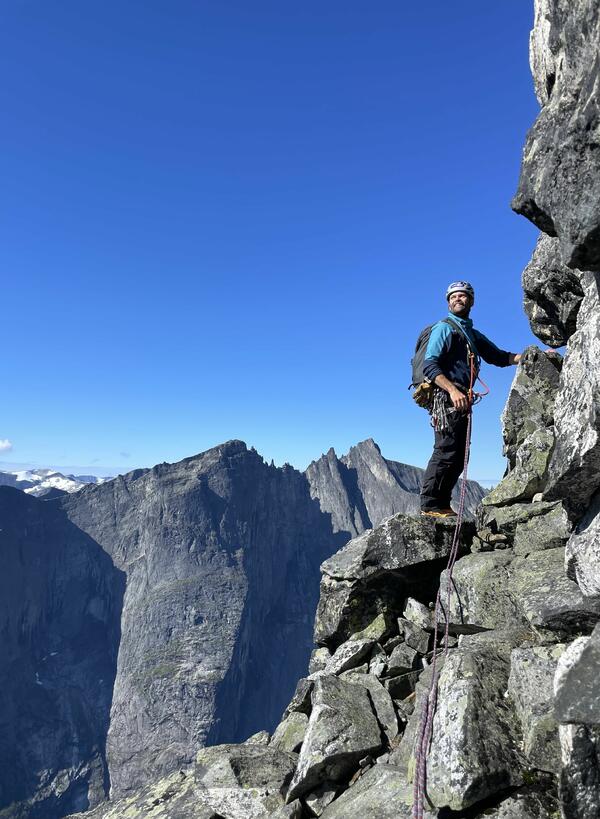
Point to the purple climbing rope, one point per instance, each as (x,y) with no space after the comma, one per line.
(429,703)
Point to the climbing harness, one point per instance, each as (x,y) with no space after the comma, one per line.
(440,406)
(425,728)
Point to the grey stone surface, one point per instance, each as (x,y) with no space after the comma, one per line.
(259,738)
(244,766)
(381,702)
(374,574)
(550,530)
(419,614)
(290,732)
(527,803)
(579,788)
(553,293)
(342,730)
(474,747)
(292,811)
(398,542)
(546,595)
(176,796)
(530,403)
(560,174)
(574,469)
(317,800)
(582,554)
(530,687)
(403,658)
(529,475)
(473,752)
(318,659)
(382,793)
(576,684)
(481,592)
(228,782)
(505,519)
(414,636)
(302,697)
(349,655)
(374,631)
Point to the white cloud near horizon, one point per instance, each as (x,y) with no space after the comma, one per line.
(5,445)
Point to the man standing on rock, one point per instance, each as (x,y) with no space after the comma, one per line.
(452,357)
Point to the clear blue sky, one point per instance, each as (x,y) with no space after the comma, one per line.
(231,219)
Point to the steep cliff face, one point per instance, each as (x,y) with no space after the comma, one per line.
(221,555)
(61,603)
(560,179)
(559,188)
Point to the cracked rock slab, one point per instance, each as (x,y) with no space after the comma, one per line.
(550,530)
(546,595)
(349,655)
(400,541)
(574,468)
(552,293)
(342,729)
(582,554)
(530,403)
(577,693)
(559,185)
(474,749)
(481,592)
(380,701)
(528,477)
(382,793)
(530,687)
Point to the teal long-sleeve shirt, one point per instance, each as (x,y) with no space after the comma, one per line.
(447,351)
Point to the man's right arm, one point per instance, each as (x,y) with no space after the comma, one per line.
(458,398)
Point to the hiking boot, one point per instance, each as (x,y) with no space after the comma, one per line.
(438,513)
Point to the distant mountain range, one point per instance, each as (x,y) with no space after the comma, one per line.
(40,482)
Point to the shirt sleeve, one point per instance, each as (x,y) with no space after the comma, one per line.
(490,353)
(439,343)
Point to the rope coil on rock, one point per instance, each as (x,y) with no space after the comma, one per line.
(429,703)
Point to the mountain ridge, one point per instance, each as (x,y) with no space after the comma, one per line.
(218,556)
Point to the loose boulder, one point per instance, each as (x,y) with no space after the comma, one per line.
(342,729)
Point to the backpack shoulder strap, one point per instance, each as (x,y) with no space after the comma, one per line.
(457,328)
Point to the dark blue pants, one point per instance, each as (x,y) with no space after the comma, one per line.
(446,463)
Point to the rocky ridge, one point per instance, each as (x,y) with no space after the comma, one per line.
(204,579)
(516,733)
(515,729)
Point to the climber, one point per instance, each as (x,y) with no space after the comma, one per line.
(451,363)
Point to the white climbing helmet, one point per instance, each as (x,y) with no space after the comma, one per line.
(460,287)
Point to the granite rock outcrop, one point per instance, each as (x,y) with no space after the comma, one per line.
(559,188)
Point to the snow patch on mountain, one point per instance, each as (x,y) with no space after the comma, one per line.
(39,481)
